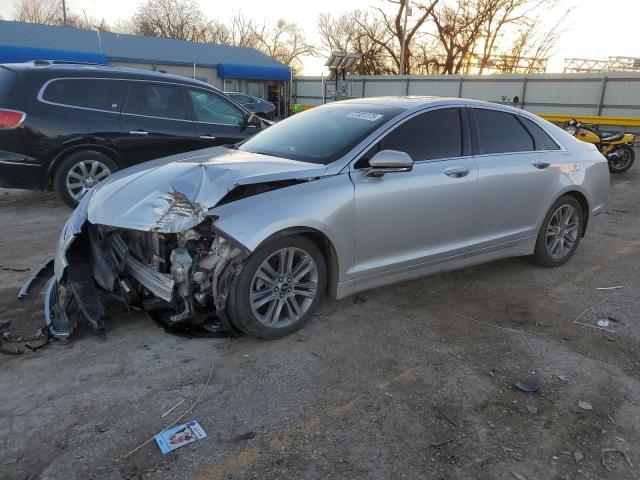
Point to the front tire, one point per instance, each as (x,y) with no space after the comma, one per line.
(79,172)
(625,156)
(278,288)
(560,233)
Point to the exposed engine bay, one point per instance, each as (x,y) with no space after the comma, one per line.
(174,277)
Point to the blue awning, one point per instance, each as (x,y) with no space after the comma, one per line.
(253,72)
(10,54)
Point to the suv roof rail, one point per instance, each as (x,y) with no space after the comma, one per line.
(66,62)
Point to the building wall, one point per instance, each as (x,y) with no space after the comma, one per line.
(614,94)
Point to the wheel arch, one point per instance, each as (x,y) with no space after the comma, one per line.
(326,247)
(584,205)
(60,156)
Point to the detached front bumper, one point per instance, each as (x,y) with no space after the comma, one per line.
(54,312)
(176,278)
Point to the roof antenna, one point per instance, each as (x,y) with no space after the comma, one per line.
(100,46)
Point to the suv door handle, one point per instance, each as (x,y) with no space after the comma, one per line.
(138,132)
(540,164)
(207,137)
(457,172)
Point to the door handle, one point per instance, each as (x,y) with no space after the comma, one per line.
(540,164)
(207,137)
(457,172)
(138,132)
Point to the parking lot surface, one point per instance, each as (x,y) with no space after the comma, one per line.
(415,380)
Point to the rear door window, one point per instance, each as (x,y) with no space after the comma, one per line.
(501,132)
(430,136)
(213,108)
(162,100)
(541,138)
(96,94)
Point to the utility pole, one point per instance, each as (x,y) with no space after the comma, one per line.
(403,48)
(64,13)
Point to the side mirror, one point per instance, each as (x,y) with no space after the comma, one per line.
(254,120)
(389,161)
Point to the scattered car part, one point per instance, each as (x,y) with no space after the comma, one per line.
(38,273)
(527,386)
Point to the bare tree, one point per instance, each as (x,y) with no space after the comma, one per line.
(358,32)
(285,42)
(177,19)
(217,32)
(459,28)
(395,25)
(38,11)
(378,35)
(532,48)
(243,30)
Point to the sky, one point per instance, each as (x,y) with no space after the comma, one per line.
(594,29)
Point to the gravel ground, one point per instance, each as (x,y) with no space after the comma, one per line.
(395,383)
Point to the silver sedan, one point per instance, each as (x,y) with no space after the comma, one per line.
(335,200)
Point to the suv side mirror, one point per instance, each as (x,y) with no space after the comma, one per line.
(254,120)
(389,161)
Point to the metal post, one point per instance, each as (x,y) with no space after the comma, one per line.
(364,84)
(603,89)
(194,71)
(460,88)
(322,85)
(64,13)
(524,92)
(406,87)
(404,38)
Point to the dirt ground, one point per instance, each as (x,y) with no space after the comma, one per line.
(395,383)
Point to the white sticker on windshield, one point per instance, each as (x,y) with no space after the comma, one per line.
(371,117)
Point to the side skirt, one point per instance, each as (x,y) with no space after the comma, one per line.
(525,247)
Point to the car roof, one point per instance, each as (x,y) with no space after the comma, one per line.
(416,102)
(95,70)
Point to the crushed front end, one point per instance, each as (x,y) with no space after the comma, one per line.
(177,278)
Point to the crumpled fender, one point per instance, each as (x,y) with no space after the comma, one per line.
(324,205)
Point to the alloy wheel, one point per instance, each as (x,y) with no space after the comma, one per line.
(562,231)
(283,287)
(84,175)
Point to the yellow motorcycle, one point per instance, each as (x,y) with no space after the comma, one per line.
(617,148)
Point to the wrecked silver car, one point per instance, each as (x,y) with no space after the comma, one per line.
(338,199)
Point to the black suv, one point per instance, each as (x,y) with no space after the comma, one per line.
(68,126)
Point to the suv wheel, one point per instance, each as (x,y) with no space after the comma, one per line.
(79,172)
(279,288)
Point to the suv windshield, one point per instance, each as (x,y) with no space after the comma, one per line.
(321,135)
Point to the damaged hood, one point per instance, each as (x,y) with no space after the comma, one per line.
(174,193)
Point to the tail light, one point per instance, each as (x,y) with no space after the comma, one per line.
(11,118)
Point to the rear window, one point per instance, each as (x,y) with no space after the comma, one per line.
(501,132)
(8,82)
(541,138)
(86,93)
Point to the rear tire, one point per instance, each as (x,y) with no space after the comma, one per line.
(560,233)
(80,171)
(624,162)
(278,289)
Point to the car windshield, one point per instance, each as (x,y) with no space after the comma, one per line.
(320,135)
